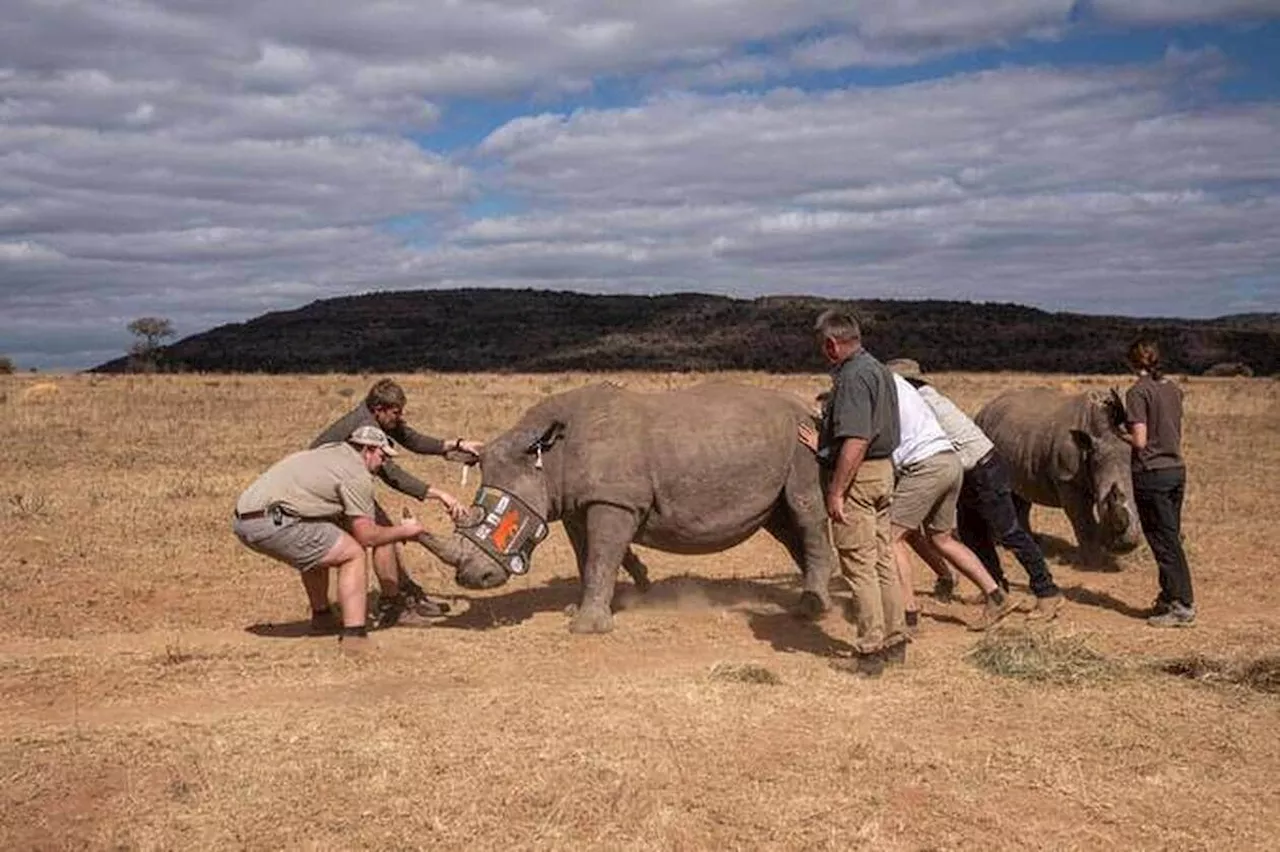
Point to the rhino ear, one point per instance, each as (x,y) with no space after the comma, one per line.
(1083,440)
(553,433)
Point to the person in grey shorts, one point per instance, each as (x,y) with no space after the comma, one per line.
(929,476)
(985,512)
(314,510)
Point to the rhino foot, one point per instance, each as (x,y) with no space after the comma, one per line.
(591,621)
(811,606)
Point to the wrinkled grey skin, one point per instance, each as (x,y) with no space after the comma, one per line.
(1064,450)
(688,471)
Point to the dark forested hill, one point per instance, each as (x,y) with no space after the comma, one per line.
(540,331)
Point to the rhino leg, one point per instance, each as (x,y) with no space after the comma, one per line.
(782,526)
(808,536)
(609,530)
(1079,509)
(575,529)
(638,570)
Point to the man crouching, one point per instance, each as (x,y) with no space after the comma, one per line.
(314,510)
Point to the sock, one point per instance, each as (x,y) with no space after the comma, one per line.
(360,631)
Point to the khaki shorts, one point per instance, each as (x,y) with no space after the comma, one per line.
(300,542)
(926,493)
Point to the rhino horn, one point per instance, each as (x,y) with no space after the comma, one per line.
(447,549)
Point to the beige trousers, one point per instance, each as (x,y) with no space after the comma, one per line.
(866,558)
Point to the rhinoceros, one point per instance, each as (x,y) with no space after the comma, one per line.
(690,471)
(1065,450)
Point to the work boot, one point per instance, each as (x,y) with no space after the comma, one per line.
(998,606)
(417,596)
(1179,615)
(324,623)
(861,665)
(1159,606)
(355,648)
(399,611)
(944,589)
(1045,609)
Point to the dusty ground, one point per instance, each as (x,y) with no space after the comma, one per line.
(156,693)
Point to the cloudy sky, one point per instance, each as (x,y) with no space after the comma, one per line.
(209,162)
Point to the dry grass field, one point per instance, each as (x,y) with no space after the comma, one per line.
(157,692)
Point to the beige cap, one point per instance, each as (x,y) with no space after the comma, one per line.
(372,436)
(908,368)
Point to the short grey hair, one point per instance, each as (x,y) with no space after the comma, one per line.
(837,325)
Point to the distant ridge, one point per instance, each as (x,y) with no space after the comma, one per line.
(548,331)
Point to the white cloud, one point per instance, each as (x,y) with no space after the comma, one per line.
(161,156)
(1179,11)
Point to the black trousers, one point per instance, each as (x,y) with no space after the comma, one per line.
(1158,494)
(986,517)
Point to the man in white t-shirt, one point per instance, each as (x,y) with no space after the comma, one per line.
(985,511)
(929,476)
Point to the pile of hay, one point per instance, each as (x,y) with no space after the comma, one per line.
(743,673)
(1040,655)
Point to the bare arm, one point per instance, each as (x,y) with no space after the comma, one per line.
(367,532)
(852,452)
(1136,436)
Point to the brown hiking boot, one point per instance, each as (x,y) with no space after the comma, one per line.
(402,611)
(1045,609)
(861,665)
(993,613)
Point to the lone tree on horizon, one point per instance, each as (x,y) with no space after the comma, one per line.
(145,351)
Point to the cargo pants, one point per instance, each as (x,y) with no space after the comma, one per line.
(864,547)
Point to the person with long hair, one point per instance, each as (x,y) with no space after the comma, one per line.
(1153,409)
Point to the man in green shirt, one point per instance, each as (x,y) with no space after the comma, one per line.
(314,510)
(860,430)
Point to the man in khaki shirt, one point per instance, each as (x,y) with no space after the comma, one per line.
(314,510)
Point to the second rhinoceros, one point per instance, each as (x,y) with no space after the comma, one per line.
(689,471)
(1065,450)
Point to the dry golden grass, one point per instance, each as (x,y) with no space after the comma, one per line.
(141,712)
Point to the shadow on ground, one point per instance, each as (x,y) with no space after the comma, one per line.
(1069,553)
(1103,600)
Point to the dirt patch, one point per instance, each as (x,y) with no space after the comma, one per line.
(1260,675)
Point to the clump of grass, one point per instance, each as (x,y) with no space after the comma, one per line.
(743,673)
(1261,674)
(1043,656)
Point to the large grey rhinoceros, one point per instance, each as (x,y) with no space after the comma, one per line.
(690,471)
(1065,450)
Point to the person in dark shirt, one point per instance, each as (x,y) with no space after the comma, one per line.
(402,601)
(1153,408)
(858,435)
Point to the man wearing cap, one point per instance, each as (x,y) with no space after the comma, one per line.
(929,477)
(314,510)
(402,600)
(985,511)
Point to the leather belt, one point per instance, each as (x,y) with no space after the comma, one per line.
(987,459)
